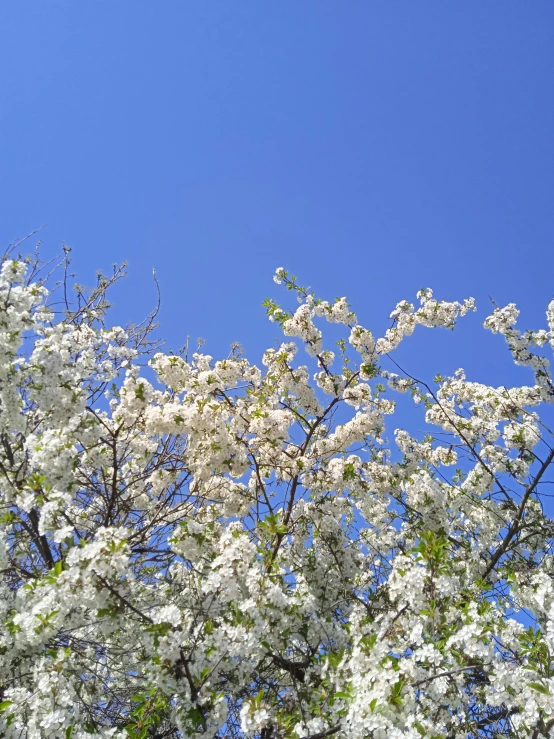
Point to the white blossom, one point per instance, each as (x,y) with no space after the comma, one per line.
(204,547)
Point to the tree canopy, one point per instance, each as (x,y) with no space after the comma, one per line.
(194,547)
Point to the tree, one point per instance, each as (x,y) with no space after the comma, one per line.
(200,548)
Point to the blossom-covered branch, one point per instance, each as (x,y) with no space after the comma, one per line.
(192,547)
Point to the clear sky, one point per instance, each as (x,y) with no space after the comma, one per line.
(370,147)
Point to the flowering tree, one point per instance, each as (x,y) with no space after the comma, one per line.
(206,548)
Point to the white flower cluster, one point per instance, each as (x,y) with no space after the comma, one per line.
(431,313)
(209,548)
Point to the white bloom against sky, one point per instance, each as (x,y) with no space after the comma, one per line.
(191,546)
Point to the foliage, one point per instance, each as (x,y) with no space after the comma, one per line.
(212,548)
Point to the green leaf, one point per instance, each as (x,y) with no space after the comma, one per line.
(540,688)
(195,715)
(369,640)
(5,704)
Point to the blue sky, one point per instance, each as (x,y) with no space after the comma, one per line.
(370,147)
